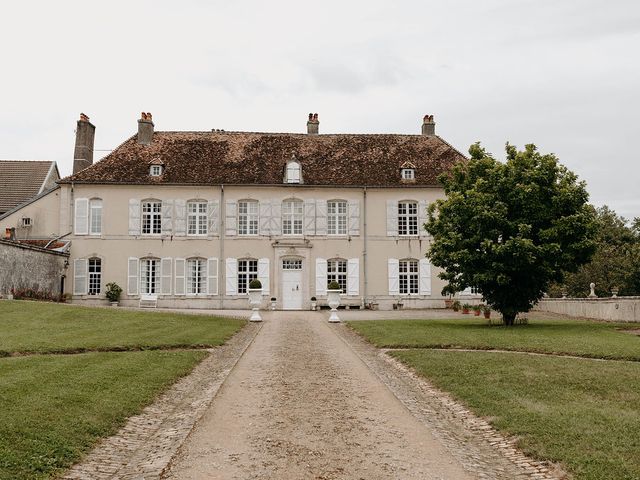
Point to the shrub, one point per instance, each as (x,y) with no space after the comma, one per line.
(273,299)
(333,285)
(466,306)
(113,291)
(477,308)
(486,309)
(255,284)
(313,299)
(456,306)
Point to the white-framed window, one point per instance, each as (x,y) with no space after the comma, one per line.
(408,174)
(247,217)
(336,217)
(291,264)
(94,267)
(155,170)
(95,216)
(197,217)
(408,218)
(196,276)
(337,271)
(408,277)
(247,271)
(151,217)
(293,172)
(292,217)
(150,276)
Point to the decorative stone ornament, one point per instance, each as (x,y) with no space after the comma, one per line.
(614,292)
(592,286)
(333,297)
(255,299)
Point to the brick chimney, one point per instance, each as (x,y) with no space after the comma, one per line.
(145,129)
(313,124)
(83,152)
(428,125)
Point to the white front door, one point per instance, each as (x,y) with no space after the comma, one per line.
(292,284)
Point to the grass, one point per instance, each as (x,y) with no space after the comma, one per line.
(582,413)
(571,337)
(39,327)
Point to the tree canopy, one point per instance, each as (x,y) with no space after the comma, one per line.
(510,229)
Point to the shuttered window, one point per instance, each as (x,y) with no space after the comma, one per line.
(151,217)
(337,271)
(150,276)
(95,216)
(292,215)
(197,218)
(408,277)
(95,276)
(247,217)
(247,271)
(336,217)
(196,276)
(407,218)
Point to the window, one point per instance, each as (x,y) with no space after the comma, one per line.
(408,276)
(292,213)
(247,217)
(337,217)
(196,276)
(293,172)
(292,264)
(197,218)
(337,271)
(95,276)
(150,276)
(95,216)
(155,170)
(151,217)
(407,218)
(247,271)
(408,174)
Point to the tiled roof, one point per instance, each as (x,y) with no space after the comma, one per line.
(21,180)
(260,158)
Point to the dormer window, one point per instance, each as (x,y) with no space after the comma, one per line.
(155,170)
(408,174)
(293,173)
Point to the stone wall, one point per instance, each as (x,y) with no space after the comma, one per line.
(26,267)
(621,309)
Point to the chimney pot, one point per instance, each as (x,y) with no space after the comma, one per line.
(10,234)
(428,125)
(83,152)
(145,128)
(313,124)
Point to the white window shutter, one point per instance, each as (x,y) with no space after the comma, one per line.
(354,217)
(392,218)
(353,276)
(276,218)
(394,276)
(213,215)
(424,269)
(132,276)
(167,217)
(231,218)
(321,217)
(422,217)
(310,217)
(265,218)
(81,222)
(181,218)
(212,276)
(263,275)
(321,276)
(165,275)
(180,276)
(80,276)
(231,276)
(134,219)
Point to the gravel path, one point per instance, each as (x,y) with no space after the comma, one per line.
(302,404)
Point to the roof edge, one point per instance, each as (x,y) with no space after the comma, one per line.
(28,202)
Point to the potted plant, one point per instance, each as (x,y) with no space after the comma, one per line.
(314,303)
(449,291)
(255,299)
(112,293)
(477,309)
(333,297)
(456,306)
(465,308)
(273,303)
(486,309)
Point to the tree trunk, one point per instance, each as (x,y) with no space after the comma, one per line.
(508,318)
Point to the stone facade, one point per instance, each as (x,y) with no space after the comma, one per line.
(619,309)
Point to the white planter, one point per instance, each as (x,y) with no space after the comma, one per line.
(114,304)
(273,305)
(333,297)
(314,306)
(255,299)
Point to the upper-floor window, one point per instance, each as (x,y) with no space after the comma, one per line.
(292,216)
(155,170)
(336,217)
(150,276)
(94,268)
(337,271)
(196,276)
(408,174)
(407,218)
(95,216)
(247,217)
(197,217)
(247,271)
(151,217)
(293,172)
(408,277)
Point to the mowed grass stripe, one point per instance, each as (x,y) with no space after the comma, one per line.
(583,414)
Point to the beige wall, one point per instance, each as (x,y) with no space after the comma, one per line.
(620,309)
(45,218)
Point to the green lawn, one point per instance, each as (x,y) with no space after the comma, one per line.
(53,408)
(54,328)
(582,413)
(573,337)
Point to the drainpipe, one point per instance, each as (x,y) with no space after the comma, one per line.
(221,262)
(71,212)
(364,252)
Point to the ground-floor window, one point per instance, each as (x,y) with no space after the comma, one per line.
(247,271)
(150,276)
(196,276)
(409,282)
(337,271)
(95,276)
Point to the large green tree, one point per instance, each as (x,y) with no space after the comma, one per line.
(510,229)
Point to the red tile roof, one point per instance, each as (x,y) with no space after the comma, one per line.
(213,158)
(22,180)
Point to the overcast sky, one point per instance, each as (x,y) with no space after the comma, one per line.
(563,74)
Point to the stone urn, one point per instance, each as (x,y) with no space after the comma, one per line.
(255,299)
(333,299)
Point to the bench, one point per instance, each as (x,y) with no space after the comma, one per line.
(148,301)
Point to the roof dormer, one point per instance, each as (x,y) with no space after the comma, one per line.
(293,171)
(408,172)
(156,167)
